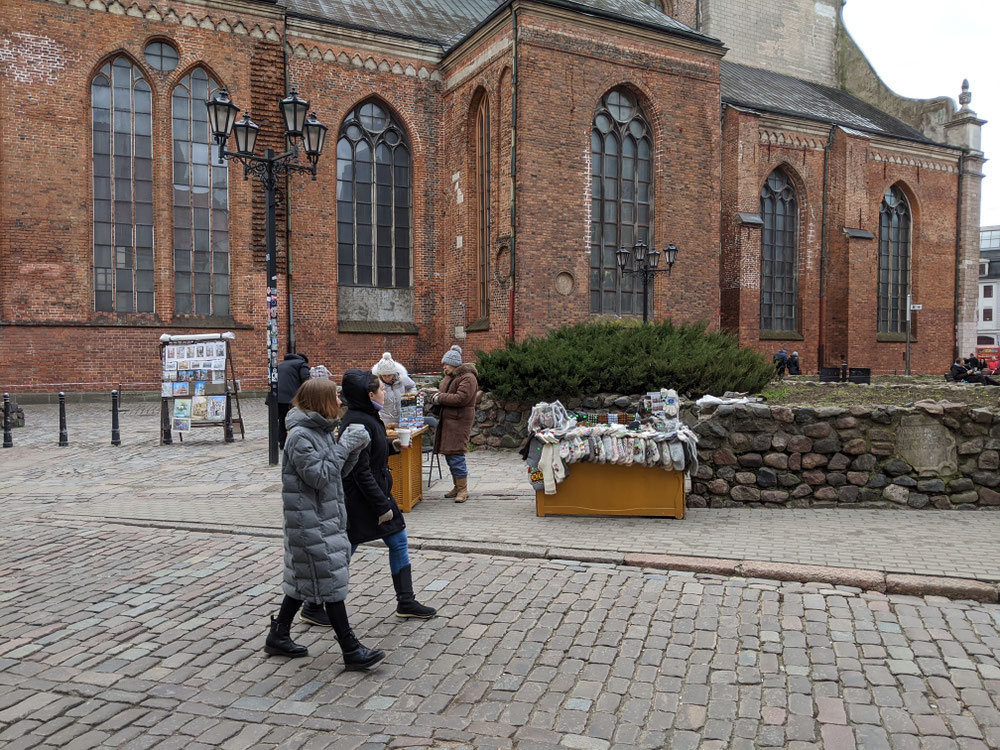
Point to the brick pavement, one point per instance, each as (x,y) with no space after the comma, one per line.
(154,640)
(205,481)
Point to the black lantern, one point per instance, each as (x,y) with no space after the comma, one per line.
(221,115)
(640,249)
(622,255)
(313,136)
(653,258)
(246,134)
(294,111)
(671,255)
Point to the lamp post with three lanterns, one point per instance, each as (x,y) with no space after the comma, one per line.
(646,261)
(268,169)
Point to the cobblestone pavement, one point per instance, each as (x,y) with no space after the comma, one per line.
(120,636)
(207,482)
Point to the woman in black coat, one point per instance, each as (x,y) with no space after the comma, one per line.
(372,512)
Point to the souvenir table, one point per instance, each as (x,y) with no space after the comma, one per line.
(406,468)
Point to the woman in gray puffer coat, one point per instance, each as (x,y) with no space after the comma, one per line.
(317,550)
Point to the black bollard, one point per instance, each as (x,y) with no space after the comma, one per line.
(8,438)
(63,435)
(843,371)
(165,435)
(228,424)
(116,435)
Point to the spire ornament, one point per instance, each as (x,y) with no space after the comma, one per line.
(965,97)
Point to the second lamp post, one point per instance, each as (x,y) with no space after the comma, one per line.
(268,168)
(646,261)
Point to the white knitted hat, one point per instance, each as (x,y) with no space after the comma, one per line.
(386,365)
(453,356)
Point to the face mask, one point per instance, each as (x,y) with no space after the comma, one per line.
(377,405)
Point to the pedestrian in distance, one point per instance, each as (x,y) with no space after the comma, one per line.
(455,400)
(781,362)
(292,373)
(793,364)
(396,381)
(317,549)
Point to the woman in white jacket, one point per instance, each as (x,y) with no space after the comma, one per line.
(397,382)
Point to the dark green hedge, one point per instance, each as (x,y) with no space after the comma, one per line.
(622,357)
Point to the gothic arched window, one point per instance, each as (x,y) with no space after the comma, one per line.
(201,204)
(893,261)
(483,204)
(621,170)
(779,254)
(373,199)
(121,116)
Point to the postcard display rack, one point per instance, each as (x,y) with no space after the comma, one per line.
(198,373)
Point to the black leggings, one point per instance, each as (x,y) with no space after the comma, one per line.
(337,612)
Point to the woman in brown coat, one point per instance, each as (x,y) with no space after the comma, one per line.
(456,398)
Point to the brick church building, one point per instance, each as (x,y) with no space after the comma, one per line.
(485,160)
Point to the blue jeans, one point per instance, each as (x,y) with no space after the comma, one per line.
(456,464)
(399,555)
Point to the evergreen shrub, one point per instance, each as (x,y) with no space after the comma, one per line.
(622,357)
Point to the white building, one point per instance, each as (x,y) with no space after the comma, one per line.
(988,332)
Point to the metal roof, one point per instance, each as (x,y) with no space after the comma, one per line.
(763,90)
(447,22)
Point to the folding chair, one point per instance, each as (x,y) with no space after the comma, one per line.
(429,451)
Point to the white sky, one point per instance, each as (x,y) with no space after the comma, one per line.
(924,48)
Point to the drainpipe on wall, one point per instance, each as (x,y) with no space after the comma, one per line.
(820,349)
(513,182)
(288,231)
(958,248)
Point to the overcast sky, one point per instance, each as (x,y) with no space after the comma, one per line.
(924,48)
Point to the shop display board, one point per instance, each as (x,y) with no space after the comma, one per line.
(198,372)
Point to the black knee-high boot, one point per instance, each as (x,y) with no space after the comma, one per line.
(406,603)
(356,656)
(279,640)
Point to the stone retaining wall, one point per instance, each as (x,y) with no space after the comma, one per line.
(930,455)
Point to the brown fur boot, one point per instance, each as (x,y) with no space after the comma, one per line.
(462,487)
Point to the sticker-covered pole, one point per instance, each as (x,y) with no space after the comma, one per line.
(228,424)
(8,438)
(116,435)
(63,434)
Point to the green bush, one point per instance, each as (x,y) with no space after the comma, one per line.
(616,357)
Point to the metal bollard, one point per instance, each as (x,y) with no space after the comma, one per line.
(165,435)
(228,424)
(843,371)
(116,435)
(63,435)
(8,438)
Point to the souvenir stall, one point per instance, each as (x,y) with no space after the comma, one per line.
(612,464)
(406,466)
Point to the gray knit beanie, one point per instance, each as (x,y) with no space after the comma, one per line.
(453,356)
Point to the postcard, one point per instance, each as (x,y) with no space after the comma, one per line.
(199,408)
(199,388)
(167,389)
(172,364)
(199,350)
(182,424)
(219,364)
(183,364)
(190,351)
(182,407)
(181,388)
(220,349)
(218,376)
(216,408)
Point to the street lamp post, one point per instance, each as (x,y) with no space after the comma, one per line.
(645,265)
(268,169)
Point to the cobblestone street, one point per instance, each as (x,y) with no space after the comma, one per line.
(136,585)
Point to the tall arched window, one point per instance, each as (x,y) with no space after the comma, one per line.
(121,116)
(893,261)
(373,199)
(621,170)
(483,215)
(201,204)
(779,244)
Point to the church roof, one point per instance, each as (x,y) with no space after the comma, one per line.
(763,90)
(447,22)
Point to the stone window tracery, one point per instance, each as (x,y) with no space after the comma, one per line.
(621,171)
(893,261)
(779,254)
(201,204)
(374,199)
(121,120)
